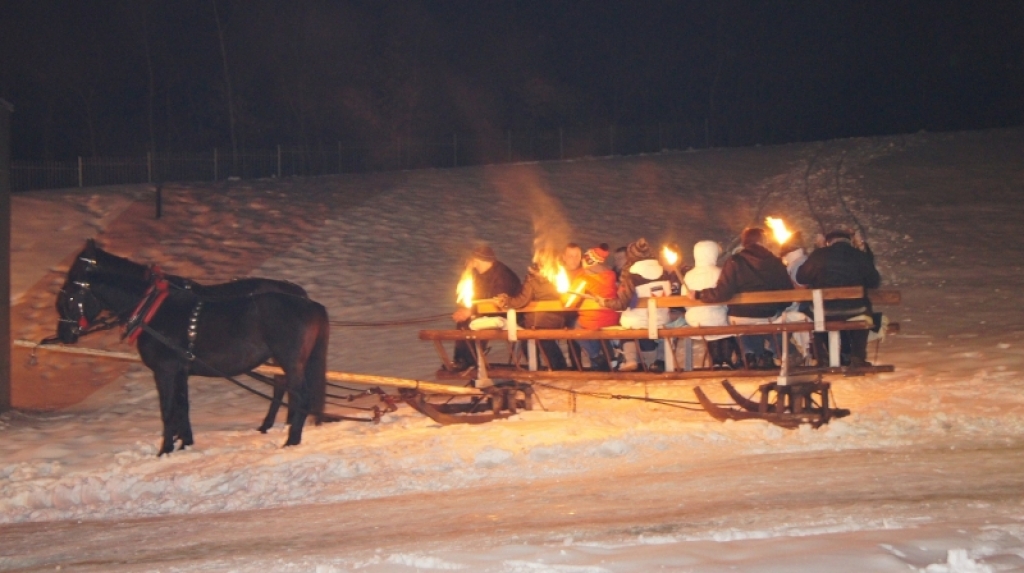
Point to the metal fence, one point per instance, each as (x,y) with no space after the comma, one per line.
(452,150)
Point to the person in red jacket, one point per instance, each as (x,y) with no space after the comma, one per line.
(598,282)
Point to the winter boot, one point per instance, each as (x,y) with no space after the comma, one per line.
(629,357)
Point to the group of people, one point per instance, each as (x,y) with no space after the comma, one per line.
(618,280)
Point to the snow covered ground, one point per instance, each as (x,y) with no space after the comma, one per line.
(925,475)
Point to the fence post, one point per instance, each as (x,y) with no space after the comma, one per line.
(279,161)
(80,171)
(561,143)
(510,146)
(455,150)
(611,139)
(215,164)
(149,167)
(339,157)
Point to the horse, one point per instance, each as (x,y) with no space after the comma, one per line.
(93,256)
(179,334)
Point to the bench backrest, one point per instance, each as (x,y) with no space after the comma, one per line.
(877,297)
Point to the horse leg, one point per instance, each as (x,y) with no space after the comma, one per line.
(165,387)
(298,406)
(275,404)
(183,425)
(307,385)
(316,373)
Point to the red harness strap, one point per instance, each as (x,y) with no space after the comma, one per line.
(150,303)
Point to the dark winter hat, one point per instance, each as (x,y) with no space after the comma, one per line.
(595,256)
(752,236)
(838,234)
(484,253)
(638,249)
(794,242)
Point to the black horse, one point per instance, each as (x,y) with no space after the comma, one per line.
(93,256)
(188,333)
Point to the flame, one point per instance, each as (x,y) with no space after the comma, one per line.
(778,227)
(671,257)
(464,292)
(552,269)
(561,281)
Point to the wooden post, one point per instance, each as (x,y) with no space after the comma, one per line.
(5,255)
(670,355)
(149,167)
(688,354)
(80,172)
(510,146)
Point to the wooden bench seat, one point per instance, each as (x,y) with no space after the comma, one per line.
(670,335)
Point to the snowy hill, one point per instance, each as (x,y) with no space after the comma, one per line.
(932,445)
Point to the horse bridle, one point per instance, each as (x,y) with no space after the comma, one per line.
(82,326)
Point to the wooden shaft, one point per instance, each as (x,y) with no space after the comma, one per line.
(366,379)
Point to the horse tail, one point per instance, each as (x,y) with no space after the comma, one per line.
(316,367)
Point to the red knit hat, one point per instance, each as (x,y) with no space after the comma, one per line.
(595,256)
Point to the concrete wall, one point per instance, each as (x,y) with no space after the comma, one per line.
(5,255)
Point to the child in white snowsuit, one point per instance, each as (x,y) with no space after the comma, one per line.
(704,274)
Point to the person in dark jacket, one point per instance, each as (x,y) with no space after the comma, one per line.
(844,261)
(491,277)
(537,288)
(753,269)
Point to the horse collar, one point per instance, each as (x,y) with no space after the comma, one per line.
(148,306)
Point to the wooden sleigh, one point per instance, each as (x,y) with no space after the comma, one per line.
(797,396)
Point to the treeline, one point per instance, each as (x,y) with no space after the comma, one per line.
(92,77)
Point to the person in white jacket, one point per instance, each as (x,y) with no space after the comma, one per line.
(704,274)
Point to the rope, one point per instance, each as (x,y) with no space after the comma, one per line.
(608,396)
(385,324)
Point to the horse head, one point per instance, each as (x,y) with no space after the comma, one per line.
(77,309)
(78,305)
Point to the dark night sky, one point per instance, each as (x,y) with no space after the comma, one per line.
(121,76)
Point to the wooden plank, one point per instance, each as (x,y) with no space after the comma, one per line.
(637,334)
(878,296)
(507,373)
